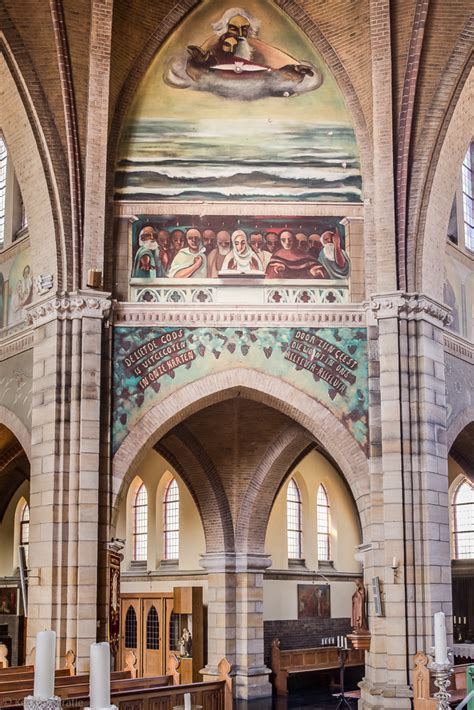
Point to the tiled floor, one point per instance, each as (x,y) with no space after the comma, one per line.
(307,699)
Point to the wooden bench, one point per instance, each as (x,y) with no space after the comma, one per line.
(304,660)
(424,688)
(142,693)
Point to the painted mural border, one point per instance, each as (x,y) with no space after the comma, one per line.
(131,210)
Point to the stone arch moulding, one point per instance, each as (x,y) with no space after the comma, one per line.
(431,249)
(26,142)
(298,406)
(16,426)
(458,425)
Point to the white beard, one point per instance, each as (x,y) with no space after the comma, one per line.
(223,251)
(243,50)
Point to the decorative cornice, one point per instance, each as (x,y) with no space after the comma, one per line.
(411,306)
(459,347)
(234,562)
(14,343)
(139,314)
(80,304)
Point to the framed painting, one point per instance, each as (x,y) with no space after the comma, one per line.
(8,600)
(314,601)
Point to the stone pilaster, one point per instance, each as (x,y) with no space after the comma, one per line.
(64,469)
(409,515)
(235,620)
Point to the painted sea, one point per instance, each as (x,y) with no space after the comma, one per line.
(255,160)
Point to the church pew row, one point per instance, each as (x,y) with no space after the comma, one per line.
(148,693)
(303,660)
(62,679)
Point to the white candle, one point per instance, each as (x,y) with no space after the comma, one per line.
(187,701)
(45,665)
(99,688)
(454,620)
(465,620)
(441,643)
(345,643)
(394,563)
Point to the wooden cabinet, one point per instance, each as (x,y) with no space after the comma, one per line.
(188,625)
(153,625)
(145,629)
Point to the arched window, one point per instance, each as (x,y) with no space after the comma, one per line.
(322,521)
(131,628)
(171,521)
(140,524)
(174,631)
(468,196)
(3,187)
(293,512)
(463,509)
(25,528)
(152,630)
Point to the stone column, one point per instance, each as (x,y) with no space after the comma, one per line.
(235,620)
(64,469)
(409,514)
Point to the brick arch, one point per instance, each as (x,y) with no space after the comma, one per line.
(16,426)
(454,138)
(22,123)
(185,453)
(312,416)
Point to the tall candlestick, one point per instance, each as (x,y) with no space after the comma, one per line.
(45,665)
(100,676)
(441,643)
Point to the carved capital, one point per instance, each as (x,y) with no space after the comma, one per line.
(80,304)
(411,306)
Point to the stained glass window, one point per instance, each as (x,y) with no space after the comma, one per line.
(463,505)
(140,525)
(322,518)
(468,196)
(171,521)
(293,511)
(3,187)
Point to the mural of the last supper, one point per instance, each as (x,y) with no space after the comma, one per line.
(189,247)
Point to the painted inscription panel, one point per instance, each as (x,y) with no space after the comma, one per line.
(329,364)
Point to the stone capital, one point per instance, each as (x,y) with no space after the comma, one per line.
(64,306)
(234,562)
(409,306)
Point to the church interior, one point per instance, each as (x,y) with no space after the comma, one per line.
(236,353)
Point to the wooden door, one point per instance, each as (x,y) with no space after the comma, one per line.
(153,633)
(130,631)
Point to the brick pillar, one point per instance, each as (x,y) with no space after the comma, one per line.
(235,620)
(64,469)
(409,512)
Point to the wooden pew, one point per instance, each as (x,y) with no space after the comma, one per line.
(28,676)
(147,693)
(424,689)
(64,685)
(304,660)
